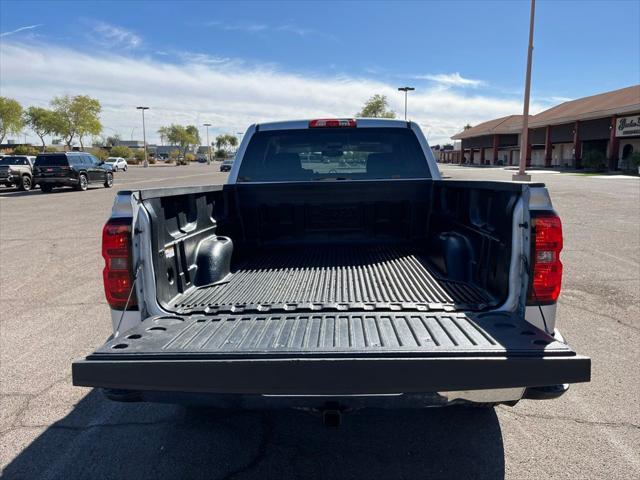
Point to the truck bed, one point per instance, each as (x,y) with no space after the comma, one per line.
(334,277)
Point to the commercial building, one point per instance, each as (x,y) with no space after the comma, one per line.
(134,144)
(559,137)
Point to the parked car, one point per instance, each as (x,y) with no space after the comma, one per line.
(17,171)
(117,163)
(226,165)
(71,169)
(333,287)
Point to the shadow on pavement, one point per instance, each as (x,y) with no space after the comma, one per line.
(103,439)
(14,192)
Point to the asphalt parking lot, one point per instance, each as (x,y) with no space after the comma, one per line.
(53,311)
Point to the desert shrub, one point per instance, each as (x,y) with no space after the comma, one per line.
(99,153)
(221,153)
(138,155)
(120,151)
(25,150)
(595,159)
(190,157)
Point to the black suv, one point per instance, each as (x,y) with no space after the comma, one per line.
(70,169)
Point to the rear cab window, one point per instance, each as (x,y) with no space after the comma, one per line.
(51,161)
(14,161)
(333,154)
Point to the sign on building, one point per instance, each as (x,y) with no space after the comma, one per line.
(628,126)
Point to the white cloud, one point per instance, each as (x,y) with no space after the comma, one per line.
(451,80)
(264,28)
(27,27)
(293,29)
(243,27)
(229,95)
(114,36)
(201,58)
(556,99)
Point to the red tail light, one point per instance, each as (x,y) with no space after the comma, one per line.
(333,123)
(118,273)
(546,274)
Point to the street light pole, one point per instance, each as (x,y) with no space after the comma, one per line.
(405,90)
(144,136)
(524,136)
(208,144)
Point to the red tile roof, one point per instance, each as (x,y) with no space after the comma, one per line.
(508,124)
(625,100)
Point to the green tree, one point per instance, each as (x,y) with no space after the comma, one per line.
(25,150)
(376,107)
(138,154)
(225,142)
(113,140)
(466,127)
(42,121)
(182,137)
(194,134)
(164,133)
(11,120)
(120,151)
(220,142)
(78,117)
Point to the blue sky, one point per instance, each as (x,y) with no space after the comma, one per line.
(234,63)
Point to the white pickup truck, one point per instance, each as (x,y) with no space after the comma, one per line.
(335,267)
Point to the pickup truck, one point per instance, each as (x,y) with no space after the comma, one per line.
(17,171)
(334,268)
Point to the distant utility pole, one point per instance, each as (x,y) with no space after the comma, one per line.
(405,90)
(144,136)
(208,144)
(524,136)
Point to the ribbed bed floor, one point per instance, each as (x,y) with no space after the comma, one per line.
(357,277)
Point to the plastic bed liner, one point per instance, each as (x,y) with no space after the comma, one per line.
(331,354)
(339,277)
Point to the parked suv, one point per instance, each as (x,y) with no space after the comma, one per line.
(70,169)
(226,165)
(17,171)
(117,163)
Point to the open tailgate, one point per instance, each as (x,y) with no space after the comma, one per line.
(331,354)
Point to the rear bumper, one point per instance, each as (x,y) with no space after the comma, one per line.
(330,376)
(61,181)
(508,396)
